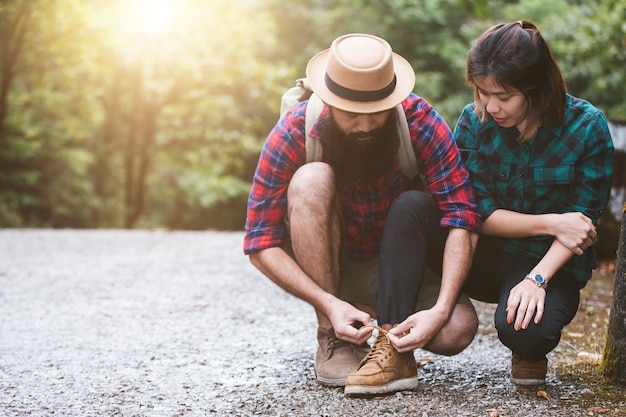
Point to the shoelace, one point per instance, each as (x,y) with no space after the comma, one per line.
(380,330)
(334,342)
(380,350)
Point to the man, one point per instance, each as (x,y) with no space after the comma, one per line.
(320,230)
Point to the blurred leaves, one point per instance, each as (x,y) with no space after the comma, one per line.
(135,113)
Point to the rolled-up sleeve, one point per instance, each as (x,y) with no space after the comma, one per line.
(467,140)
(446,177)
(282,154)
(592,176)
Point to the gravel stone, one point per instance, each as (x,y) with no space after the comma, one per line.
(157,323)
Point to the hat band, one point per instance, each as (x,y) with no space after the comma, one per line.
(358,95)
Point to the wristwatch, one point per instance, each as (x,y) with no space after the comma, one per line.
(537,279)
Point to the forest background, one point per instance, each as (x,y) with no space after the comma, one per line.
(152,113)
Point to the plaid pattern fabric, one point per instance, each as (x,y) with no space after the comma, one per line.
(564,169)
(365,204)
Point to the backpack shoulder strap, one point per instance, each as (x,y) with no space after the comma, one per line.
(313,146)
(300,92)
(406,154)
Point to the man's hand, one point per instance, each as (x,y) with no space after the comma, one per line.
(525,301)
(575,231)
(349,322)
(417,330)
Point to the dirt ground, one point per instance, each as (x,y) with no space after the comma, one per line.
(154,323)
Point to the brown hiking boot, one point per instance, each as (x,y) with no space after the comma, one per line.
(383,370)
(525,371)
(336,358)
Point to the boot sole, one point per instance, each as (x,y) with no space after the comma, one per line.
(398,385)
(527,381)
(331,382)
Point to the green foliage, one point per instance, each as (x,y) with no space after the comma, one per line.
(590,43)
(588,40)
(42,132)
(135,113)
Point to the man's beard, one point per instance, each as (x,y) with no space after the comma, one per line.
(354,159)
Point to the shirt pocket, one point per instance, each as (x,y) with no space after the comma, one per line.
(552,187)
(554,175)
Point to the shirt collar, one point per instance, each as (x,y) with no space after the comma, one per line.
(544,129)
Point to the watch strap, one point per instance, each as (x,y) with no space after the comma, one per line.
(538,282)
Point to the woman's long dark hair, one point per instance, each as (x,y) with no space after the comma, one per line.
(515,56)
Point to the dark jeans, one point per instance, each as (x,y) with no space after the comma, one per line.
(495,272)
(412,239)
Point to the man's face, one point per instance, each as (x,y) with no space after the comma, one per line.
(359,146)
(359,128)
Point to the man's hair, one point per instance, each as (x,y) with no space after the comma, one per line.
(515,56)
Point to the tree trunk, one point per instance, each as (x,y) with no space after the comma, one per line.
(613,364)
(13,35)
(130,175)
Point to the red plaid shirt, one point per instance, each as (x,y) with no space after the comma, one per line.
(365,204)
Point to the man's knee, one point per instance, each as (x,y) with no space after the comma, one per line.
(312,178)
(312,185)
(457,334)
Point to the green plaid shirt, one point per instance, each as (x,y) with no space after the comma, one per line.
(563,169)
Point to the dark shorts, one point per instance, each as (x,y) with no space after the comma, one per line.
(359,283)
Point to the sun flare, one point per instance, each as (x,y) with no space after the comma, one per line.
(147,18)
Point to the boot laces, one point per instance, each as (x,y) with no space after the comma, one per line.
(381,349)
(334,342)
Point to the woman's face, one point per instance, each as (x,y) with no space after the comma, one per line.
(506,107)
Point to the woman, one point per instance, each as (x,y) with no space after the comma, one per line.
(541,162)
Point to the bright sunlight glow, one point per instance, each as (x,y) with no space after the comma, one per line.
(147,18)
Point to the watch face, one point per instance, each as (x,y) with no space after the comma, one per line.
(539,279)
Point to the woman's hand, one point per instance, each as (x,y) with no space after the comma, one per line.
(526,300)
(575,231)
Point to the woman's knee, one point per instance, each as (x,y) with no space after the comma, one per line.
(414,205)
(561,305)
(532,342)
(409,200)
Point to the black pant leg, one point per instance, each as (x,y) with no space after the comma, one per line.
(412,236)
(561,305)
(485,279)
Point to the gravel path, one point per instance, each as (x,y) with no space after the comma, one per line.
(141,323)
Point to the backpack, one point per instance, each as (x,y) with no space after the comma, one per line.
(302,91)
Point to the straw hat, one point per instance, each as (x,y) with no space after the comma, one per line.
(360,74)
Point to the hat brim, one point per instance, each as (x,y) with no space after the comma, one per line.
(405,82)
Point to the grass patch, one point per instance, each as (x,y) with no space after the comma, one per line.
(576,361)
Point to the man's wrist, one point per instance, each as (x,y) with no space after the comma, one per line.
(443,311)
